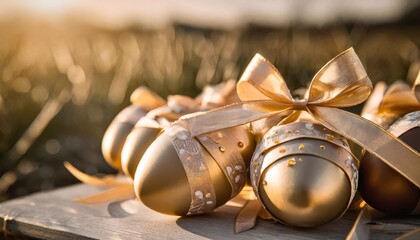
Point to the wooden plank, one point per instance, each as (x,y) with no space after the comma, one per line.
(53,215)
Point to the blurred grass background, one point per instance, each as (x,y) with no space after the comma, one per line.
(63,81)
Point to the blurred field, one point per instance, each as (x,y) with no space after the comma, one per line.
(61,84)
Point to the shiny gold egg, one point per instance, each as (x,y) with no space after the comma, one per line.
(143,100)
(135,146)
(117,132)
(303,174)
(384,188)
(161,181)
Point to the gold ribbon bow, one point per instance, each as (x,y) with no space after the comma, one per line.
(342,82)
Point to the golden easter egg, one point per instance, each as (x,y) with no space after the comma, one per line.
(382,187)
(304,174)
(117,132)
(135,146)
(183,175)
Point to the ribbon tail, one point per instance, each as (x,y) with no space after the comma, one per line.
(265,215)
(120,192)
(411,235)
(247,216)
(360,231)
(85,178)
(392,151)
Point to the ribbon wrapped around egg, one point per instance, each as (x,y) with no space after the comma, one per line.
(184,175)
(342,82)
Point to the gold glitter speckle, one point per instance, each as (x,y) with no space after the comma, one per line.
(282,150)
(322,147)
(300,159)
(329,137)
(276,141)
(297,131)
(208,195)
(220,135)
(291,162)
(240,144)
(222,149)
(301,146)
(289,131)
(256,163)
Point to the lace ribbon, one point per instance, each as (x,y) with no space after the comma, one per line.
(191,153)
(203,196)
(230,161)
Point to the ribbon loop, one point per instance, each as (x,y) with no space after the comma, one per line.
(342,82)
(262,81)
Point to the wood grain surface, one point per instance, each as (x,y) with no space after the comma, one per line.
(53,215)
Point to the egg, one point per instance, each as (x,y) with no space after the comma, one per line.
(182,175)
(382,187)
(135,146)
(139,139)
(143,100)
(304,174)
(117,132)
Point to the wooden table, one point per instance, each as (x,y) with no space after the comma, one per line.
(53,215)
